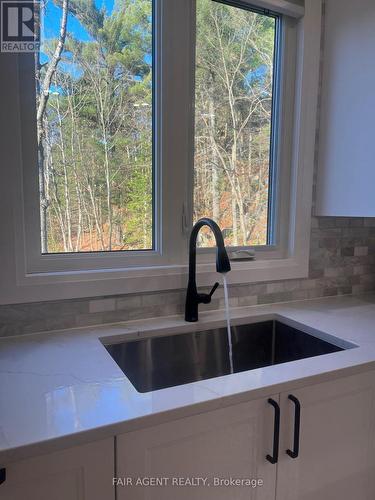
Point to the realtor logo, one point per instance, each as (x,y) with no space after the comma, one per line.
(20,26)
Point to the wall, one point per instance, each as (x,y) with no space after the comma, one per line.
(342,261)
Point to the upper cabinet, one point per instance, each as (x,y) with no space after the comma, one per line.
(346,174)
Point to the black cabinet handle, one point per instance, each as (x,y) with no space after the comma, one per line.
(3,475)
(276,433)
(297,424)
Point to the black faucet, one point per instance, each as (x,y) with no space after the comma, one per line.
(193,298)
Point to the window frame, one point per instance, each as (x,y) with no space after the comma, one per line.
(37,262)
(26,280)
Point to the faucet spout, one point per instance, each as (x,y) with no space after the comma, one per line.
(193,298)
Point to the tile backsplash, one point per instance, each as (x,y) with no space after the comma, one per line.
(342,261)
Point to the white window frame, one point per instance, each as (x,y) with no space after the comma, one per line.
(28,276)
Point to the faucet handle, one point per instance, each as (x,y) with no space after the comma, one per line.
(205,298)
(213,289)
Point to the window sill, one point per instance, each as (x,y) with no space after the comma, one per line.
(67,285)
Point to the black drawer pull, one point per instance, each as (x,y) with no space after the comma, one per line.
(3,475)
(276,433)
(297,423)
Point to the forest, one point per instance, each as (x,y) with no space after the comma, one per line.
(94,87)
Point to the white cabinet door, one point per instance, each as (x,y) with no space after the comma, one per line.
(337,447)
(230,442)
(80,473)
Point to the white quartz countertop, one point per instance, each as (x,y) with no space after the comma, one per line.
(62,389)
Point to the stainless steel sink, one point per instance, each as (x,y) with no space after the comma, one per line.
(160,362)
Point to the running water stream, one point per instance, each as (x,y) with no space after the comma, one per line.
(229,333)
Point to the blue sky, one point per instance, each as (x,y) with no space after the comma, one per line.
(52,19)
(51,27)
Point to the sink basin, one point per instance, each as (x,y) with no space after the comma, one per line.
(167,361)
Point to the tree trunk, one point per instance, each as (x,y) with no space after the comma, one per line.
(214,163)
(234,219)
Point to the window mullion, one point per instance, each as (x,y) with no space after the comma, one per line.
(177,140)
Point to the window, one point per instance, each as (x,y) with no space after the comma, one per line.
(94,126)
(236,59)
(94,105)
(116,162)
